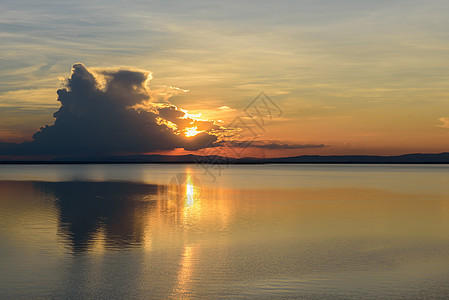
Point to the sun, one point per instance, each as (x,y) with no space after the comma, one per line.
(191,131)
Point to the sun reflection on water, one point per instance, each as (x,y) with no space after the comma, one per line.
(183,286)
(190,193)
(204,240)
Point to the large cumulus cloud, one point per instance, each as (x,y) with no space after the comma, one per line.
(106,112)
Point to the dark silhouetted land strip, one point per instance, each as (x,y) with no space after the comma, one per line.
(418,158)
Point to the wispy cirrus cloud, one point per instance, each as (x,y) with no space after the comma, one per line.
(359,57)
(444,121)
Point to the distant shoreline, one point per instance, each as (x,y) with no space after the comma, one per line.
(417,158)
(242,163)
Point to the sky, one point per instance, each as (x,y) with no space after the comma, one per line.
(348,76)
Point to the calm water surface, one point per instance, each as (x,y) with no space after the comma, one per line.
(253,231)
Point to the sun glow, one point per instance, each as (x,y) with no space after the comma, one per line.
(191,131)
(188,115)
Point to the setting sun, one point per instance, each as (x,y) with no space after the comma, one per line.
(192,131)
(224,149)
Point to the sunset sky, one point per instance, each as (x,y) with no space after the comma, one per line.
(350,76)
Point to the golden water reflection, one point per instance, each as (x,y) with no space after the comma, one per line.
(191,237)
(120,215)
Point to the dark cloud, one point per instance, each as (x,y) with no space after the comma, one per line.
(271,145)
(171,113)
(106,112)
(278,145)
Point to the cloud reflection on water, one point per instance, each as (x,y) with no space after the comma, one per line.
(132,238)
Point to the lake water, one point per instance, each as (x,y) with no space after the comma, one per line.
(248,231)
